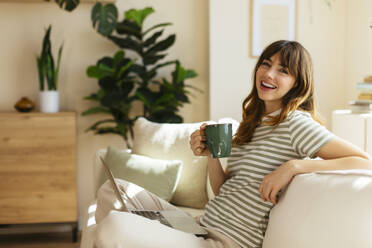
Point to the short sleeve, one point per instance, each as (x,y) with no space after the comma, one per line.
(307,135)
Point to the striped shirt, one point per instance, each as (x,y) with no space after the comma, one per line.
(238,211)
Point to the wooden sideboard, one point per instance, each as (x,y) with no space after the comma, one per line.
(38,168)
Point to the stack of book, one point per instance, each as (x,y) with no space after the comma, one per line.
(364,102)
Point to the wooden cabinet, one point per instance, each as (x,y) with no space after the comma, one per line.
(353,127)
(38,168)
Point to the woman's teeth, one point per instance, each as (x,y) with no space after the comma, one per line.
(268,85)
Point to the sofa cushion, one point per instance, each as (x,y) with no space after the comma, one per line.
(155,175)
(323,209)
(171,141)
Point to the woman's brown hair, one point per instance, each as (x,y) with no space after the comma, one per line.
(301,97)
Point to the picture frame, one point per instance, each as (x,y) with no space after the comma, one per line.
(271,20)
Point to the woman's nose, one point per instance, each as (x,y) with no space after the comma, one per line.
(270,73)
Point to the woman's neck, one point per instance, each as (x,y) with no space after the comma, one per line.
(271,109)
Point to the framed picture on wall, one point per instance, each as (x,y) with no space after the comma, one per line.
(271,20)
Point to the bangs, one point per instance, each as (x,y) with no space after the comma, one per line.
(290,58)
(289,54)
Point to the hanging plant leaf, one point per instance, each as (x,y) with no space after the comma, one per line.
(104,18)
(68,5)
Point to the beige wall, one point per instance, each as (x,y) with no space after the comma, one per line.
(22,26)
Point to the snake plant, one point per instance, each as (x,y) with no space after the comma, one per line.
(45,63)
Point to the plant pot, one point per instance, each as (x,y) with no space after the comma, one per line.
(49,101)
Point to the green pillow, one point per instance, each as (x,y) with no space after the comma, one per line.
(155,175)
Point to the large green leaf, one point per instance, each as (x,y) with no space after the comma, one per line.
(152,39)
(107,130)
(108,84)
(155,27)
(96,110)
(128,27)
(162,45)
(181,74)
(138,15)
(152,59)
(112,99)
(68,5)
(95,125)
(100,71)
(127,43)
(104,18)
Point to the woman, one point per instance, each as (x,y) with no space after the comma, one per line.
(279,129)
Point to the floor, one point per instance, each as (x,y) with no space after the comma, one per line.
(44,240)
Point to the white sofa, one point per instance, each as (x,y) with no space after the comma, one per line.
(324,209)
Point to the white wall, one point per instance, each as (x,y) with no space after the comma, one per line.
(320,29)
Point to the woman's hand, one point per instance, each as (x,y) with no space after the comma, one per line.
(275,181)
(197,140)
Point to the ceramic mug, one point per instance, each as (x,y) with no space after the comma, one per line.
(219,139)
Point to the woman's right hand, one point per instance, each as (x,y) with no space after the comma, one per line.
(197,142)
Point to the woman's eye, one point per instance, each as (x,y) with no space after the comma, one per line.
(265,63)
(285,71)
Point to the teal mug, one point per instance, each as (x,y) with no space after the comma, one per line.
(219,139)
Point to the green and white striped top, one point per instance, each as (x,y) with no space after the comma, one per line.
(238,211)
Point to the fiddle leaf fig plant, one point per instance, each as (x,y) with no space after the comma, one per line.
(124,80)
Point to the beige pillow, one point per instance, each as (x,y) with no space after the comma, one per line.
(155,175)
(171,142)
(323,210)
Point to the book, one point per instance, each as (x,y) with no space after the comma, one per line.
(361,106)
(365,96)
(367,86)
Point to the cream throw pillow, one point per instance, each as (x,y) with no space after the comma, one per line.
(323,210)
(171,141)
(155,175)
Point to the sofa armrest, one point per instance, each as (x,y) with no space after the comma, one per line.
(323,209)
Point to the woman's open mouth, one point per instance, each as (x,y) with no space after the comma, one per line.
(267,86)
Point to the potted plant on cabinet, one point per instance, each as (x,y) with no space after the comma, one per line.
(48,76)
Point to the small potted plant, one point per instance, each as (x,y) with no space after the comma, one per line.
(48,76)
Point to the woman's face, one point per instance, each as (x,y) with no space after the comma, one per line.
(273,81)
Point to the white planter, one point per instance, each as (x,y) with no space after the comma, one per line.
(49,101)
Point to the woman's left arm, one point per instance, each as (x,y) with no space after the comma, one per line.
(337,154)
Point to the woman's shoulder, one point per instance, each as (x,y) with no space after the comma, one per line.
(298,114)
(296,117)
